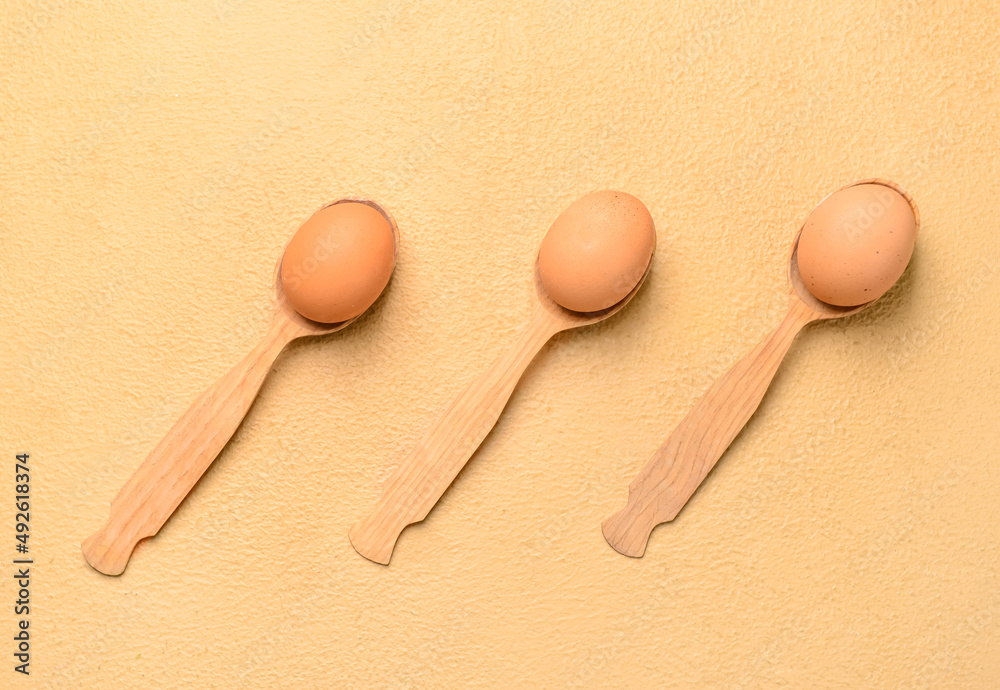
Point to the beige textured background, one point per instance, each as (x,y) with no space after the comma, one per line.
(155,161)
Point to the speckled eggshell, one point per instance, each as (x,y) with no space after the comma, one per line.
(337,264)
(596,251)
(856,244)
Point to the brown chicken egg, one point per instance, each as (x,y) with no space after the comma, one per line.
(337,264)
(596,251)
(856,244)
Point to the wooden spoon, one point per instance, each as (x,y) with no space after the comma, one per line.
(423,476)
(169,473)
(678,467)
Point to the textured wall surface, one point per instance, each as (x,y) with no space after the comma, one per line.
(156,157)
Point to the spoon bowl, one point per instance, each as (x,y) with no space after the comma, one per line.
(280,300)
(797,285)
(578,319)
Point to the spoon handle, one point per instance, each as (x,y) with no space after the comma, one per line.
(424,475)
(173,468)
(678,467)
